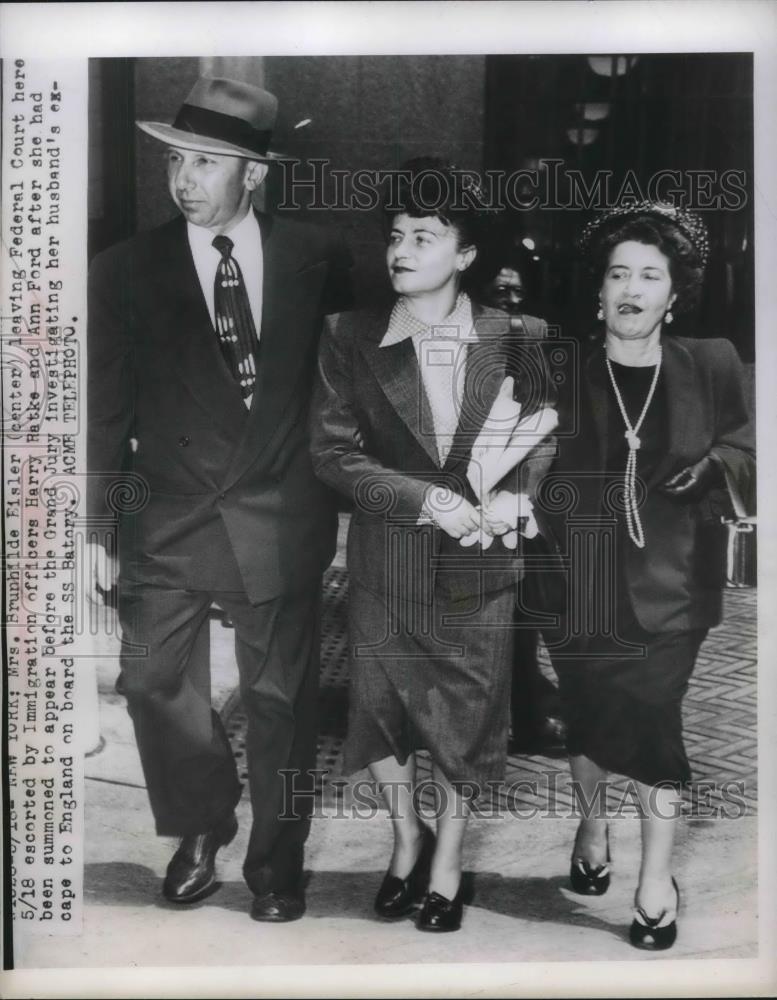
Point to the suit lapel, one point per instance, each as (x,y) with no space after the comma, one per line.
(289,314)
(677,368)
(483,378)
(397,372)
(190,337)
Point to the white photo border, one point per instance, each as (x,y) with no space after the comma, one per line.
(39,31)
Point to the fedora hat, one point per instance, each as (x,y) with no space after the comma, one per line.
(223,116)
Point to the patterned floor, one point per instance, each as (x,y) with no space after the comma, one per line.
(719,720)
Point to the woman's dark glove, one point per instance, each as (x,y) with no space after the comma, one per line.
(695,481)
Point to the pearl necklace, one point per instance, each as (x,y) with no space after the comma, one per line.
(633,522)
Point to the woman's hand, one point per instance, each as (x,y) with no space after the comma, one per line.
(505,511)
(693,482)
(501,512)
(451,512)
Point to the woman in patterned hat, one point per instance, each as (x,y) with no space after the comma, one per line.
(662,434)
(401,398)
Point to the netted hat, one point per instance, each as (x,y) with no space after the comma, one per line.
(688,223)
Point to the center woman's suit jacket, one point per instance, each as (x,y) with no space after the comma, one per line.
(372,440)
(675,581)
(224,498)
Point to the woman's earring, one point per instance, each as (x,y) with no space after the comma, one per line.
(668,317)
(600,314)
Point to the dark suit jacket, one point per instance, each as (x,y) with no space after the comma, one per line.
(534,326)
(675,581)
(372,439)
(228,499)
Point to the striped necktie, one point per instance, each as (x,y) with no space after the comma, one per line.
(234,323)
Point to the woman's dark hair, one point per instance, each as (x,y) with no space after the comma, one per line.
(428,186)
(685,268)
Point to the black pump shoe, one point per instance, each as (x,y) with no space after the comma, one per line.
(398,897)
(590,880)
(646,934)
(440,914)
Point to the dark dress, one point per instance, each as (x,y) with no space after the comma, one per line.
(622,705)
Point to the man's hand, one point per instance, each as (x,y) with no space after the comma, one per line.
(693,482)
(102,570)
(451,512)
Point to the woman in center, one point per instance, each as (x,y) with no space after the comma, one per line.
(402,398)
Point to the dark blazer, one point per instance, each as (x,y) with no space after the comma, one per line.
(675,581)
(227,496)
(372,440)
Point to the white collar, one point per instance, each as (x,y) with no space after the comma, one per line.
(247,251)
(244,236)
(457,325)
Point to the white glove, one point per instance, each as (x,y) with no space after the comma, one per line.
(502,514)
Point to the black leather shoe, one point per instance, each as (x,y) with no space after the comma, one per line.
(191,874)
(440,914)
(277,907)
(397,897)
(588,879)
(646,934)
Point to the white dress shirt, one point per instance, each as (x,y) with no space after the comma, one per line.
(441,351)
(247,251)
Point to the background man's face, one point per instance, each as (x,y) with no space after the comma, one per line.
(506,291)
(208,188)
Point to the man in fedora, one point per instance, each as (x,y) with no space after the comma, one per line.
(203,336)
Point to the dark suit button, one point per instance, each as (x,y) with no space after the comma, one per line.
(222,496)
(184,440)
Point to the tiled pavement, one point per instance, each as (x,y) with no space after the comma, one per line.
(719,724)
(523,911)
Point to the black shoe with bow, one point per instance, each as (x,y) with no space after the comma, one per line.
(440,914)
(397,897)
(587,879)
(191,874)
(649,934)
